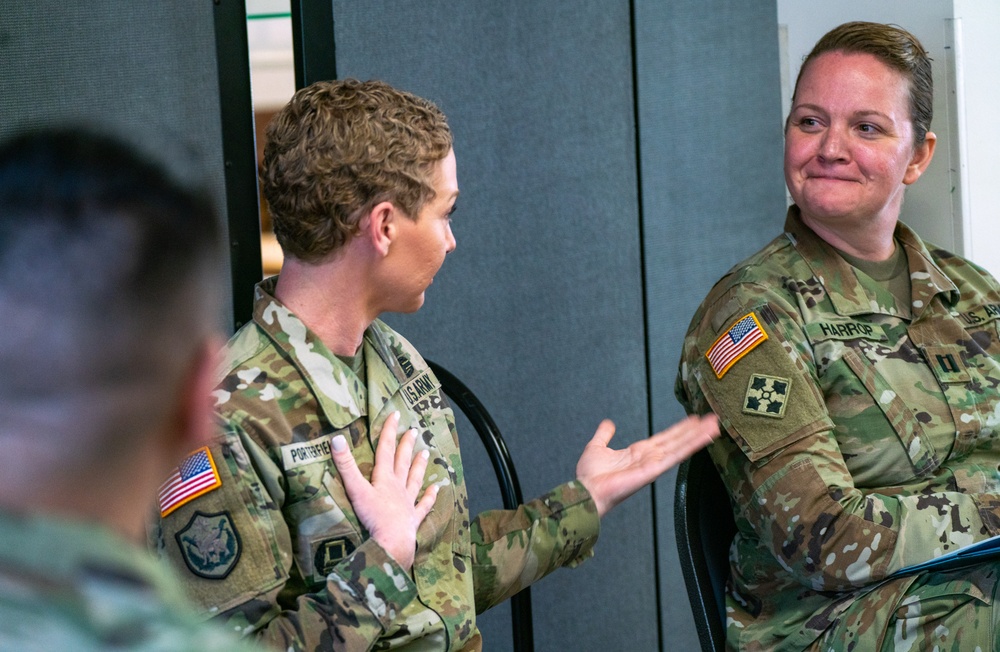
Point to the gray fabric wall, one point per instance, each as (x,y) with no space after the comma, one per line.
(540,310)
(142,69)
(712,193)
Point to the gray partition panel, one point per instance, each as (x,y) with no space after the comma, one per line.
(143,69)
(539,310)
(712,193)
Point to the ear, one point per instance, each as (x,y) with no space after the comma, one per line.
(922,155)
(379,226)
(194,423)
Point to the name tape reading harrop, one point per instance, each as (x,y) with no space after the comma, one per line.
(854,329)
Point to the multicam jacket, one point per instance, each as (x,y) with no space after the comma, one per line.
(74,586)
(291,562)
(862,434)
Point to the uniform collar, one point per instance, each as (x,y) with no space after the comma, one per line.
(854,294)
(341,395)
(385,379)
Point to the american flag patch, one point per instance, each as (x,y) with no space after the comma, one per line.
(740,339)
(196,476)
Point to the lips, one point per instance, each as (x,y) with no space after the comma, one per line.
(828,177)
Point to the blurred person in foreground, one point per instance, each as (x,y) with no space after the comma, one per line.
(342,488)
(109,287)
(855,369)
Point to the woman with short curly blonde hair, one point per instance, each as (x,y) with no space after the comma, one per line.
(339,148)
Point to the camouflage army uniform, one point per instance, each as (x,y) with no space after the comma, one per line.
(73,586)
(306,574)
(862,439)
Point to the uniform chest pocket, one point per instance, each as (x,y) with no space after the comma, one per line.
(908,427)
(323,527)
(855,361)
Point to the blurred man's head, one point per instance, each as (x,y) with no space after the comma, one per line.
(109,291)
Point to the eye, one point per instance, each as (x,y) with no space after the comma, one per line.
(808,123)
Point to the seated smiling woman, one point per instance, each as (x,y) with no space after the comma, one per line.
(855,371)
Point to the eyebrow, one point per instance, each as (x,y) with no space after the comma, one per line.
(863,113)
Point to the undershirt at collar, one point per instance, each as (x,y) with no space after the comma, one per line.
(891,273)
(356,363)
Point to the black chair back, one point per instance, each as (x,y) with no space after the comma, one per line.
(704,529)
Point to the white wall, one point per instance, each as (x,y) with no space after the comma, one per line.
(954,204)
(978,27)
(272,63)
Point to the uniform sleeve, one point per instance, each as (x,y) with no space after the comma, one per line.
(234,553)
(783,466)
(514,548)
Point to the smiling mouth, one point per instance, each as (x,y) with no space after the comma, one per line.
(828,178)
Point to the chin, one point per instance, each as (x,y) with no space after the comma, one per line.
(412,306)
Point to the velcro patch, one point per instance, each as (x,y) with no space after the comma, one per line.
(741,338)
(305,452)
(210,545)
(767,395)
(195,476)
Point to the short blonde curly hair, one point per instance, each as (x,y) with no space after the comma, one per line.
(336,150)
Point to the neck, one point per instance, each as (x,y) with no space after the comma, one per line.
(121,501)
(331,297)
(869,241)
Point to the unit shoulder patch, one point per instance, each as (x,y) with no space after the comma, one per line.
(767,395)
(210,545)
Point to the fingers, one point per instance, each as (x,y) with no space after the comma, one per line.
(426,503)
(706,428)
(415,479)
(605,431)
(347,467)
(681,440)
(404,452)
(697,430)
(386,449)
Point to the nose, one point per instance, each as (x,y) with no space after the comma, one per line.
(833,146)
(450,242)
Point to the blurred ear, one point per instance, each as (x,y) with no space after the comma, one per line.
(922,155)
(194,422)
(379,226)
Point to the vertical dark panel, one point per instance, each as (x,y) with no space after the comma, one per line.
(314,46)
(145,70)
(539,310)
(709,101)
(239,154)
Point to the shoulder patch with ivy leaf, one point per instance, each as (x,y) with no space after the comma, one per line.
(767,395)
